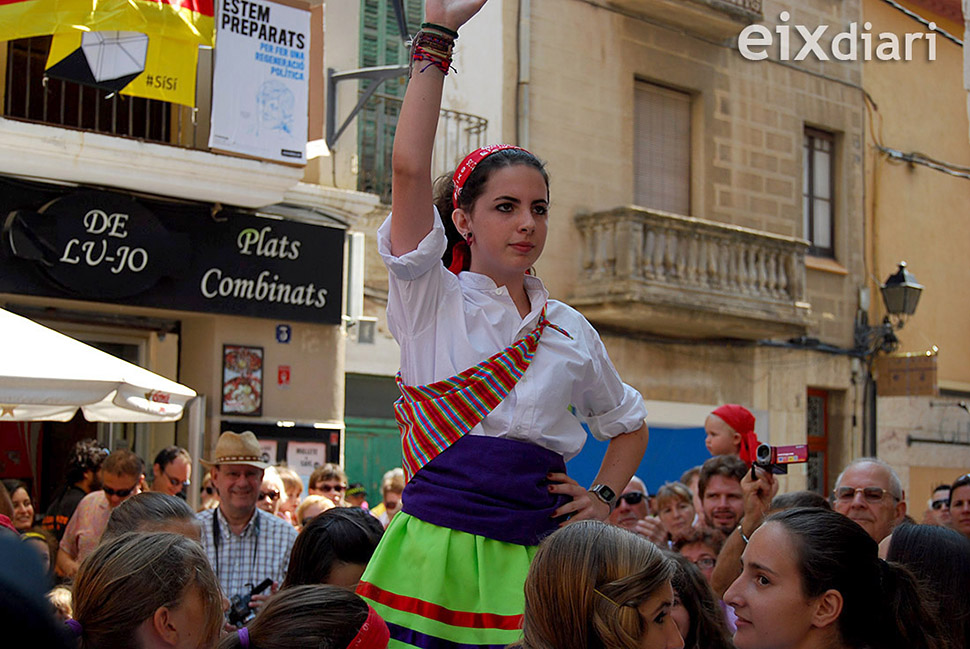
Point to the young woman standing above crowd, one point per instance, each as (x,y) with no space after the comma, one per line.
(493,376)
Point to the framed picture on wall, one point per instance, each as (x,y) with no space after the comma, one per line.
(242,380)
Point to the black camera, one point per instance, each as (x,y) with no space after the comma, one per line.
(777,458)
(239,610)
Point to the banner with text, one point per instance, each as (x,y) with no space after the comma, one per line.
(260,80)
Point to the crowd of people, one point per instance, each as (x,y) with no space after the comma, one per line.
(748,568)
(481,538)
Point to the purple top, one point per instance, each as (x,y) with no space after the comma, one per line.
(460,489)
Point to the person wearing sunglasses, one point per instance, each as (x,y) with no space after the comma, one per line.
(632,513)
(869,492)
(938,507)
(172,469)
(329,480)
(121,474)
(272,493)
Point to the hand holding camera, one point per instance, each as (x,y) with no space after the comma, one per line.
(239,605)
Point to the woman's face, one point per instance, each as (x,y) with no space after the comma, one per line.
(660,631)
(681,615)
(195,620)
(960,509)
(23,510)
(773,611)
(508,222)
(676,515)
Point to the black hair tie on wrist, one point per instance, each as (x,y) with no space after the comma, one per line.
(440,28)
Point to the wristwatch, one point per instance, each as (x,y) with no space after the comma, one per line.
(604,493)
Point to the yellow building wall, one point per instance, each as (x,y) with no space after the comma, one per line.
(915,213)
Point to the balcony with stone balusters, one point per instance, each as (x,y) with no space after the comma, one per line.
(654,272)
(719,19)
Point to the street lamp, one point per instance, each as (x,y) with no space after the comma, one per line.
(901,292)
(900,295)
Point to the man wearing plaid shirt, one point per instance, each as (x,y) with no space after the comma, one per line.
(245,545)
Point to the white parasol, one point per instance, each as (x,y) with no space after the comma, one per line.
(47,376)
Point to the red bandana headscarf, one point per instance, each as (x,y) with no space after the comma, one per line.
(460,253)
(742,421)
(467,166)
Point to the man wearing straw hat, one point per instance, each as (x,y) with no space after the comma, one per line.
(245,545)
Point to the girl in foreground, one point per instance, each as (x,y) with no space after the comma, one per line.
(491,372)
(812,579)
(596,586)
(147,591)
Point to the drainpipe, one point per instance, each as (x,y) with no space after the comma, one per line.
(523,38)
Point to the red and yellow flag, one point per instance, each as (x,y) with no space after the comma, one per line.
(180,20)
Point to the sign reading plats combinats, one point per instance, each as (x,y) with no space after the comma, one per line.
(108,247)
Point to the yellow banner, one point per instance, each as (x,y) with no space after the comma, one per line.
(184,20)
(169,69)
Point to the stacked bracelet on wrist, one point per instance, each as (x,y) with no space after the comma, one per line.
(433,44)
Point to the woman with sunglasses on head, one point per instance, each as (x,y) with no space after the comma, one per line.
(494,375)
(960,505)
(812,579)
(597,586)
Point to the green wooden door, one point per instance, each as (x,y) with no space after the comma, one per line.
(371,447)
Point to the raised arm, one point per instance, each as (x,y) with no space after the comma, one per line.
(412,215)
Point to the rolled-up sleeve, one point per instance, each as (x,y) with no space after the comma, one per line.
(416,281)
(609,406)
(412,265)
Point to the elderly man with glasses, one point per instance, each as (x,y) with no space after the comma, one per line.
(869,492)
(632,512)
(121,473)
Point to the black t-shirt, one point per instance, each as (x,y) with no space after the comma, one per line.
(61,510)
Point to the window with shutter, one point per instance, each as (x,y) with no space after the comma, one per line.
(661,165)
(381,44)
(818,181)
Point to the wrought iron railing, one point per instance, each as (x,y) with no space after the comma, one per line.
(458,133)
(32,96)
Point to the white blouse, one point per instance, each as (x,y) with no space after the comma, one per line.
(446,324)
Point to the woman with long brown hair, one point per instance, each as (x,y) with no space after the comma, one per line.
(597,586)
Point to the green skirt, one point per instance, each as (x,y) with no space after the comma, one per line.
(438,588)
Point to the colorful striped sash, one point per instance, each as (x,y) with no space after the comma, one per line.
(432,417)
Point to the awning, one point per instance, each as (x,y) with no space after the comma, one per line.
(47,376)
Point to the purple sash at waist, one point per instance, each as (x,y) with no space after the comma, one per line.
(488,486)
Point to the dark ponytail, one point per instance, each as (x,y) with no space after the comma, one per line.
(444,188)
(883,606)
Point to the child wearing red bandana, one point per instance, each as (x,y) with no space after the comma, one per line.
(730,431)
(494,378)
